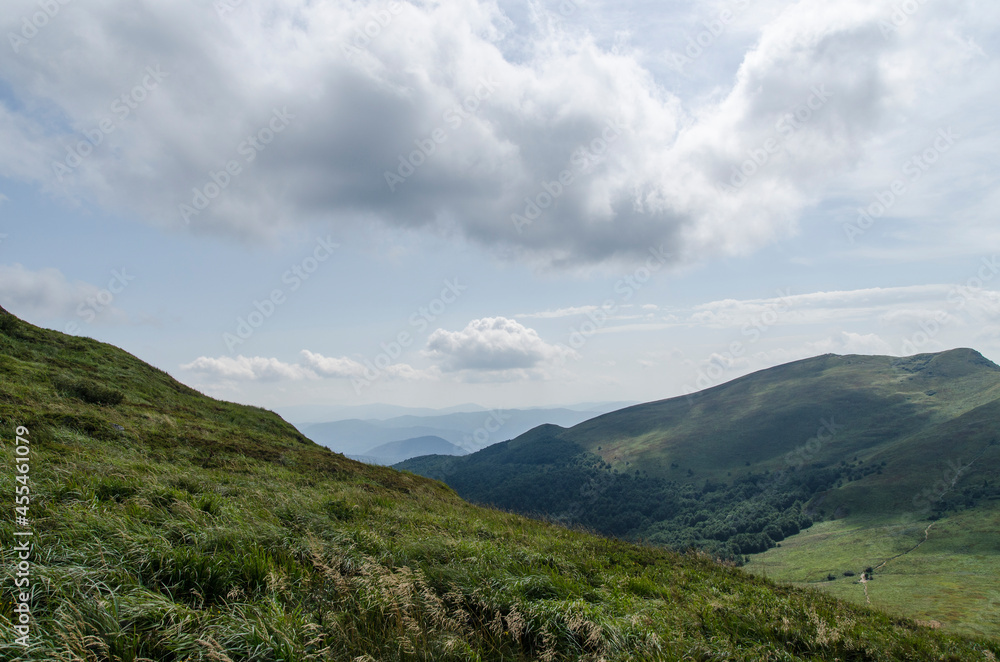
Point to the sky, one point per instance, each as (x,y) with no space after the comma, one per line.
(516,204)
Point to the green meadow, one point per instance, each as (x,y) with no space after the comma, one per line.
(950,578)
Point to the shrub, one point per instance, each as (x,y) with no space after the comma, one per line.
(115,489)
(8,324)
(199,576)
(89,391)
(209,504)
(341,510)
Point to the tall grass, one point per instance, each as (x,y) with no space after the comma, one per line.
(203,530)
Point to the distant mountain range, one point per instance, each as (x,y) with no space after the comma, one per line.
(464,431)
(305,415)
(879,446)
(397,451)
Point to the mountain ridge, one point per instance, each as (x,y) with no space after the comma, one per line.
(742,467)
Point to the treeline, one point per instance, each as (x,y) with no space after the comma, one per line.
(968,497)
(747,515)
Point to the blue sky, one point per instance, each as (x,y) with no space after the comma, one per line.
(514,204)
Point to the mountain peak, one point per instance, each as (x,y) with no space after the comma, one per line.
(953,363)
(970,355)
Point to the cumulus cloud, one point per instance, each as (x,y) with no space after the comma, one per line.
(310,366)
(245,368)
(349,368)
(332,367)
(48,294)
(493,344)
(514,101)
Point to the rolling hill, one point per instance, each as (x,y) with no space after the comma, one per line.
(468,430)
(170,526)
(398,451)
(878,442)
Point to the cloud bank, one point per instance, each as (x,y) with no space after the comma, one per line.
(528,135)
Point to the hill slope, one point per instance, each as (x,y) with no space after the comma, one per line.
(762,417)
(398,451)
(740,467)
(170,526)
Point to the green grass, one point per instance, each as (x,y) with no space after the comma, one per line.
(759,418)
(950,578)
(203,530)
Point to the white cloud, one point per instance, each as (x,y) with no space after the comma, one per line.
(888,306)
(332,367)
(891,305)
(244,368)
(558,313)
(311,366)
(550,90)
(911,318)
(979,303)
(903,307)
(493,344)
(349,368)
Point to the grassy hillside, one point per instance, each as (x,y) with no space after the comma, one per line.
(739,468)
(942,572)
(762,417)
(170,526)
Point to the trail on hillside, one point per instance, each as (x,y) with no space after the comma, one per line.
(927,533)
(954,481)
(864,575)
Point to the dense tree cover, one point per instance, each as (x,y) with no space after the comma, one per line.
(556,480)
(967,498)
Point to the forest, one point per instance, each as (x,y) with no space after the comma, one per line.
(746,514)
